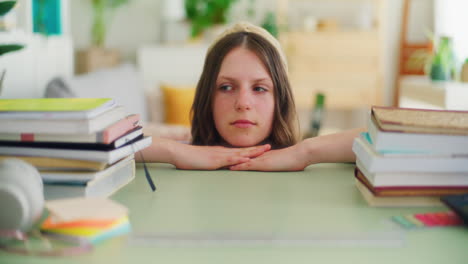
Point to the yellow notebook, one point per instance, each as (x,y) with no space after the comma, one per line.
(33,108)
(48,163)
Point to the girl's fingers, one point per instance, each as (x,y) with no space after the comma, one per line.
(253,152)
(233,160)
(227,150)
(243,166)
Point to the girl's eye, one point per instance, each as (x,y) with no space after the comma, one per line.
(260,89)
(225,88)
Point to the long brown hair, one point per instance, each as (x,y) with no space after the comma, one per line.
(285,130)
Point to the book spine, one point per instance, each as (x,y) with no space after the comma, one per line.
(100,188)
(106,186)
(375,162)
(86,126)
(118,129)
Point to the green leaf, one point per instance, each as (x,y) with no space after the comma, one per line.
(9,48)
(116,3)
(6,6)
(206,13)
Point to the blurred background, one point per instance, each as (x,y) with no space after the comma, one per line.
(344,55)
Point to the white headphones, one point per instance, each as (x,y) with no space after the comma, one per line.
(21,195)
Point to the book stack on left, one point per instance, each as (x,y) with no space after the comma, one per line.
(412,157)
(81,146)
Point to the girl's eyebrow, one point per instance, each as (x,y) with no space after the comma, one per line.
(234,80)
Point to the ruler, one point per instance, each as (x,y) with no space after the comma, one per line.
(372,239)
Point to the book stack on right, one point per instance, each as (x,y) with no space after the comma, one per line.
(82,147)
(412,157)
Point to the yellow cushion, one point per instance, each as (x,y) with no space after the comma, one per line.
(177,103)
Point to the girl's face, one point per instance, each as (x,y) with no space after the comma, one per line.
(243,104)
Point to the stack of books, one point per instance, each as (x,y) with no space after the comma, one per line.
(412,157)
(81,146)
(85,221)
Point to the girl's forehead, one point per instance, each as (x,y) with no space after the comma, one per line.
(243,62)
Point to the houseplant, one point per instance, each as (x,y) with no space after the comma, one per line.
(204,14)
(5,7)
(102,11)
(443,63)
(97,56)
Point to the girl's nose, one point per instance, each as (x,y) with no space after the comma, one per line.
(243,100)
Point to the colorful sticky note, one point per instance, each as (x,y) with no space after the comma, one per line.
(436,219)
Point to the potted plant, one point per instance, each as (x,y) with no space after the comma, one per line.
(5,7)
(98,56)
(204,14)
(443,62)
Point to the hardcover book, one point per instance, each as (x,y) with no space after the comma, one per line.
(103,186)
(105,136)
(64,126)
(400,189)
(411,120)
(47,163)
(401,201)
(107,155)
(418,143)
(398,178)
(124,139)
(374,161)
(81,177)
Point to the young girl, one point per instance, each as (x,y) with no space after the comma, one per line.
(244,115)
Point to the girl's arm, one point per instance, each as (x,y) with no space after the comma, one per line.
(332,148)
(324,149)
(185,156)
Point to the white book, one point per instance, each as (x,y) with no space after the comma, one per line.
(388,142)
(103,186)
(105,136)
(63,126)
(377,162)
(108,156)
(80,176)
(415,179)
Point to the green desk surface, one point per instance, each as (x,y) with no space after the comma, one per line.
(312,216)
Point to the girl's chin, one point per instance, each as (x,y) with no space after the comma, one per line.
(243,143)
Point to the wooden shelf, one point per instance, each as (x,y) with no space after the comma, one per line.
(420,92)
(345,65)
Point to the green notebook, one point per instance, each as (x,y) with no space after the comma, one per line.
(50,108)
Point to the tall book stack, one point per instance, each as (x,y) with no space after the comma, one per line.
(81,146)
(412,157)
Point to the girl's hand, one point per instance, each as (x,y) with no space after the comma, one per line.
(189,157)
(288,159)
(324,149)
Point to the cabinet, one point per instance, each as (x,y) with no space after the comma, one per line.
(420,92)
(341,60)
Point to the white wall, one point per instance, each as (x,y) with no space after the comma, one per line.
(452,20)
(134,24)
(138,23)
(29,70)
